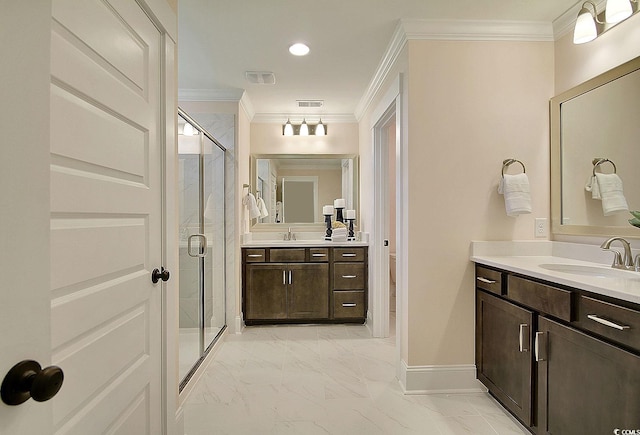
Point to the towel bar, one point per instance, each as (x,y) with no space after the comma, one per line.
(599,160)
(507,162)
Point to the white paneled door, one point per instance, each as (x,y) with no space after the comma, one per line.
(106,210)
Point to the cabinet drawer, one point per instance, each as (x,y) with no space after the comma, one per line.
(348,304)
(541,297)
(286,255)
(348,276)
(254,255)
(348,254)
(489,280)
(617,323)
(319,254)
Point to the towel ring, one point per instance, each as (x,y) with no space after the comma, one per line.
(507,162)
(598,161)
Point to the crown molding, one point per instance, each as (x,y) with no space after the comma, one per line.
(450,30)
(210,94)
(279,118)
(247,106)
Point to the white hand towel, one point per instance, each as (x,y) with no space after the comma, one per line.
(250,202)
(613,200)
(339,235)
(517,194)
(592,186)
(262,207)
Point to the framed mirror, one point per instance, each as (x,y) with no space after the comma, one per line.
(295,187)
(598,119)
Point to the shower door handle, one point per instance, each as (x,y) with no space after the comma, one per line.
(202,247)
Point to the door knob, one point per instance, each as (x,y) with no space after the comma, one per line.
(158,275)
(28,379)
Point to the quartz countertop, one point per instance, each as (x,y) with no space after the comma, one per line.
(301,244)
(526,258)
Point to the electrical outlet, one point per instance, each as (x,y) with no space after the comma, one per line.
(541,229)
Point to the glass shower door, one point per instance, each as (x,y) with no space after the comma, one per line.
(202,244)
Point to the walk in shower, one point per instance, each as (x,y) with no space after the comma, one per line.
(201,191)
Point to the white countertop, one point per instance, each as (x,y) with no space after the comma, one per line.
(300,244)
(505,255)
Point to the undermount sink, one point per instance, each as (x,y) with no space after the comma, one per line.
(593,271)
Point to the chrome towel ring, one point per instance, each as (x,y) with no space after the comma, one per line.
(598,161)
(507,162)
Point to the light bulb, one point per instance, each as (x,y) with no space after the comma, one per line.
(585,29)
(617,10)
(304,128)
(288,129)
(320,129)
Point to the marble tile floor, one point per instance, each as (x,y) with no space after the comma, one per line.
(325,379)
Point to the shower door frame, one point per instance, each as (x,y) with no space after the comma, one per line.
(204,348)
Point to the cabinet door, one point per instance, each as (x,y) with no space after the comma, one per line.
(503,356)
(586,386)
(308,291)
(266,291)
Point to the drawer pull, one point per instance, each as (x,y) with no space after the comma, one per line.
(349,255)
(318,255)
(349,276)
(349,304)
(254,255)
(608,323)
(540,349)
(284,277)
(485,280)
(290,277)
(524,337)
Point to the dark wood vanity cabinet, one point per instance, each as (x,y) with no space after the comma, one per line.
(298,285)
(541,354)
(503,352)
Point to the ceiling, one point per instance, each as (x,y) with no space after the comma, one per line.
(221,39)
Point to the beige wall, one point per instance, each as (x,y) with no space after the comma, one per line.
(341,138)
(470,105)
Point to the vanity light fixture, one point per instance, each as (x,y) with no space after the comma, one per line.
(586,29)
(304,129)
(287,129)
(589,25)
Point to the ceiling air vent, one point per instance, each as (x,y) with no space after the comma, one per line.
(310,103)
(260,77)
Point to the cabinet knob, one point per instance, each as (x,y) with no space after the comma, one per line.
(28,379)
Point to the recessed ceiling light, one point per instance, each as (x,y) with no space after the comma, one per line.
(299,49)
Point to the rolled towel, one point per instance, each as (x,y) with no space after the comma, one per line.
(517,194)
(339,235)
(592,186)
(613,200)
(250,202)
(262,207)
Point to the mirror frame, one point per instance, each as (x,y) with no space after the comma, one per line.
(556,157)
(310,227)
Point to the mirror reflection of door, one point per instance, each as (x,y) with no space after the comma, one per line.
(299,199)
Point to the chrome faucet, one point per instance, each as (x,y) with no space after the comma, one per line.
(620,262)
(289,235)
(637,263)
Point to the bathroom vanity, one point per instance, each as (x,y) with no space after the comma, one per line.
(305,283)
(558,342)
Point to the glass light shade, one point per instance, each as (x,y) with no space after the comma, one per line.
(188,129)
(617,10)
(320,129)
(585,30)
(288,129)
(304,129)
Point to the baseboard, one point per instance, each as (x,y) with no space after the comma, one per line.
(440,379)
(239,325)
